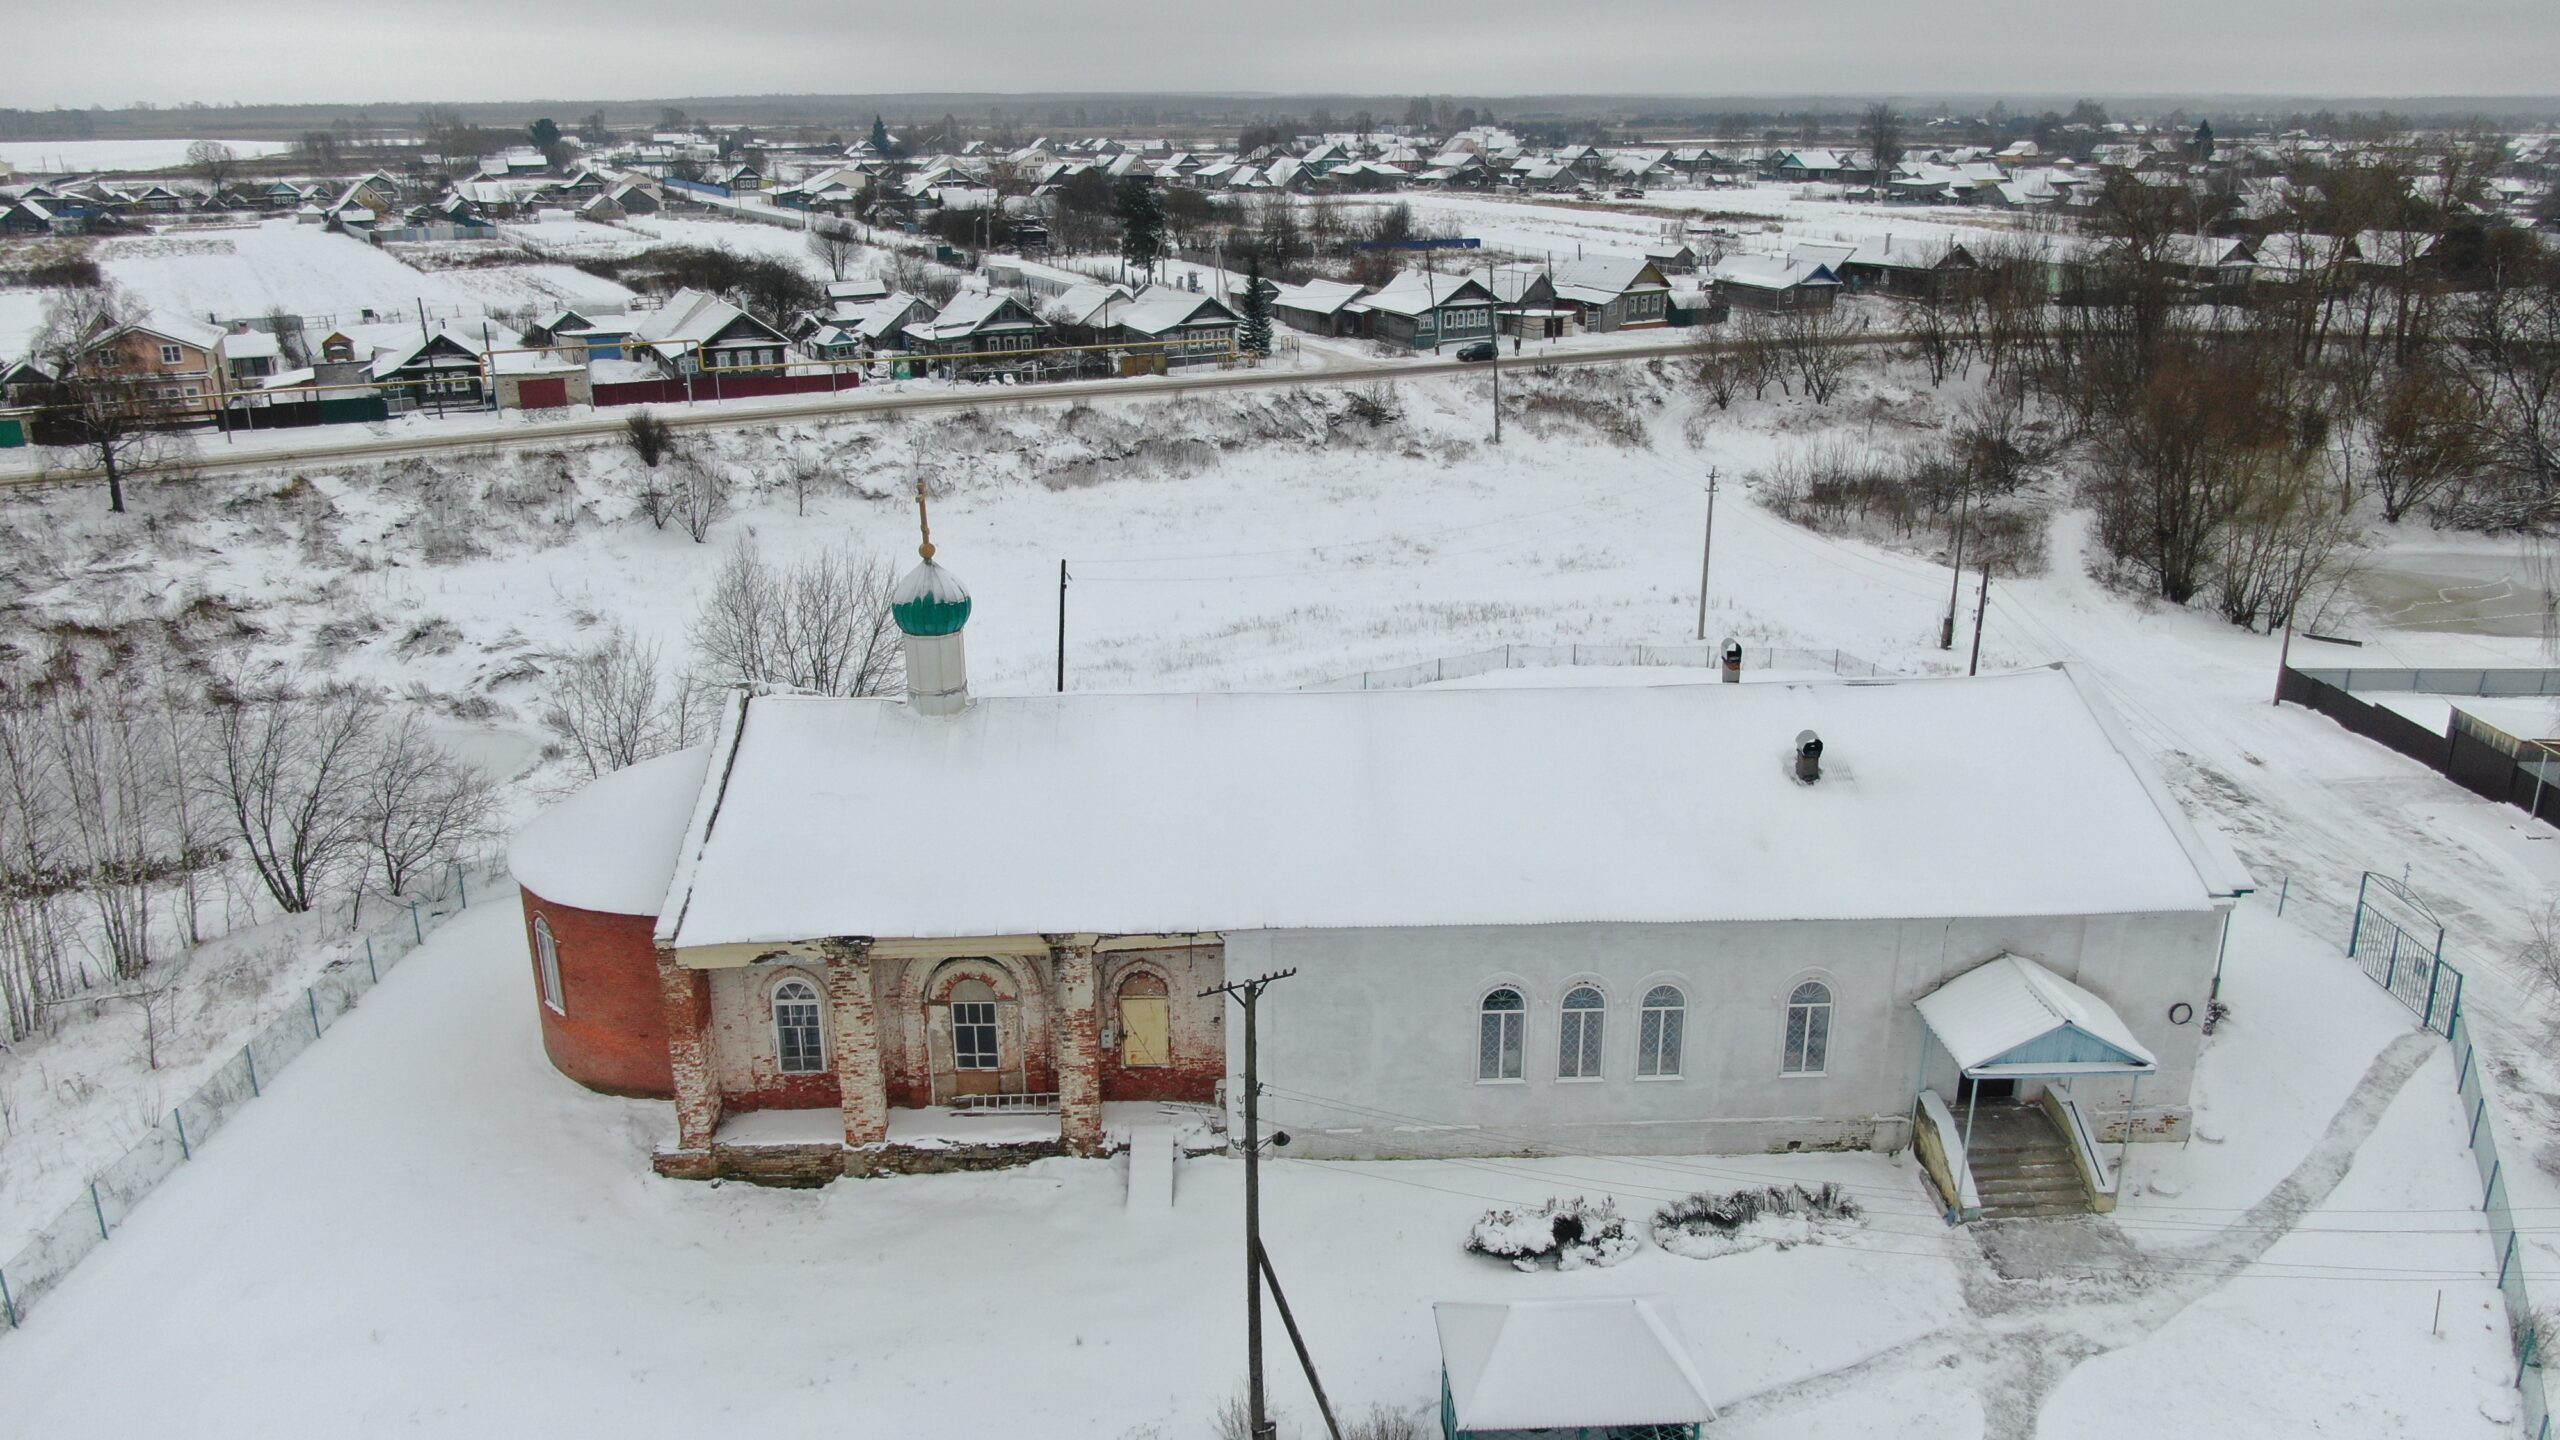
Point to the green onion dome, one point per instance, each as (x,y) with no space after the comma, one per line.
(930,601)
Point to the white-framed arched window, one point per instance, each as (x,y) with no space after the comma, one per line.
(799,1028)
(1658,1032)
(546,964)
(1501,1022)
(1578,1035)
(1808,1030)
(973,1026)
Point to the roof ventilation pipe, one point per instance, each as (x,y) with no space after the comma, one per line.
(1808,756)
(1733,662)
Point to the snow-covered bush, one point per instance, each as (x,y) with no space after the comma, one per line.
(1704,1226)
(1572,1232)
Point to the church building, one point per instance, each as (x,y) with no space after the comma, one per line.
(1681,919)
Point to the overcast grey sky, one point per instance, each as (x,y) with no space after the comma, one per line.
(112,52)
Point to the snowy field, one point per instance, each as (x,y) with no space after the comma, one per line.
(79,157)
(303,270)
(423,1228)
(1768,219)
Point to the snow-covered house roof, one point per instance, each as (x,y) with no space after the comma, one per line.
(1087,303)
(694,318)
(1599,279)
(1572,1366)
(1159,309)
(2011,1016)
(974,313)
(2007,795)
(1416,292)
(1316,297)
(1768,272)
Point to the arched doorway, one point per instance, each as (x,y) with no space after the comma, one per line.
(974,1037)
(1146,1022)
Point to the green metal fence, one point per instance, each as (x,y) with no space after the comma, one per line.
(112,1193)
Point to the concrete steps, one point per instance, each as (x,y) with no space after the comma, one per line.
(2022,1167)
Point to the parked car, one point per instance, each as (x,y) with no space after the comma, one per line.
(1631,193)
(1481,350)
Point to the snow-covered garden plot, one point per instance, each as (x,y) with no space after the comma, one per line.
(1769,217)
(82,156)
(246,272)
(421,1184)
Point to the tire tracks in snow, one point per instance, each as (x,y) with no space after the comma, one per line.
(2028,1333)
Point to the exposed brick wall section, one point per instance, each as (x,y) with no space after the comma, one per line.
(745,1060)
(1198,1033)
(613,1037)
(1079,1049)
(687,999)
(862,1081)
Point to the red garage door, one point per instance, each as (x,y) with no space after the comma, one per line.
(542,394)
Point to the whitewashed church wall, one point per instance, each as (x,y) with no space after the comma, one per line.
(1371,1049)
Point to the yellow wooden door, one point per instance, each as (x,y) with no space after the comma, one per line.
(1146,1024)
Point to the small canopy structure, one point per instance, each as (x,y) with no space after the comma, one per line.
(1615,1369)
(2012,1017)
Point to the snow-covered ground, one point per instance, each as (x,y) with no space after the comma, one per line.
(1277,539)
(79,157)
(246,271)
(423,1185)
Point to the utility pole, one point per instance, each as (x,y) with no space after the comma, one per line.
(1062,627)
(2284,661)
(1979,607)
(1955,573)
(1249,994)
(1707,553)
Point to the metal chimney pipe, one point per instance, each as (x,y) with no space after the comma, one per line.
(1808,756)
(1733,662)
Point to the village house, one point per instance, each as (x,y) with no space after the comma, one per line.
(696,331)
(1711,919)
(446,370)
(1425,310)
(978,324)
(1186,327)
(1902,267)
(595,337)
(1772,285)
(176,363)
(1526,303)
(1615,292)
(1318,307)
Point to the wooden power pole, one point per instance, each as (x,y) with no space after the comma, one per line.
(1707,553)
(1257,1264)
(1979,607)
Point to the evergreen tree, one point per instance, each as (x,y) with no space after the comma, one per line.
(544,133)
(1254,335)
(2204,141)
(1141,223)
(880,137)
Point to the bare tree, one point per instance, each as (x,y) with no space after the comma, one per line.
(423,806)
(2426,438)
(1815,343)
(835,249)
(822,624)
(1880,131)
(609,705)
(214,161)
(96,402)
(701,497)
(289,770)
(1719,368)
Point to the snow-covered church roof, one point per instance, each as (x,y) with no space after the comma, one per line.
(612,846)
(1999,796)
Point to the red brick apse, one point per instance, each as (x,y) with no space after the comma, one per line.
(594,870)
(610,1031)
